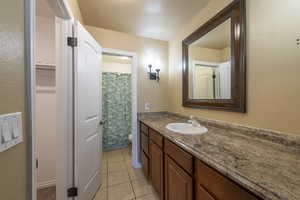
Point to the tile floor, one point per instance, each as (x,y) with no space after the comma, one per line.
(46,193)
(121,181)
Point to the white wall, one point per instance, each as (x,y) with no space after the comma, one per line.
(116,67)
(45,36)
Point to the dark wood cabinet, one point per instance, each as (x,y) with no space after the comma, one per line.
(144,129)
(144,153)
(213,185)
(156,137)
(180,156)
(202,194)
(145,143)
(145,164)
(178,183)
(156,168)
(175,174)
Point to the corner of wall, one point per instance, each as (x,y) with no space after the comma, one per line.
(75,8)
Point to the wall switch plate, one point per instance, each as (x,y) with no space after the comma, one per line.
(10,130)
(148,106)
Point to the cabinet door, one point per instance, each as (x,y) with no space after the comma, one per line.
(145,164)
(156,168)
(178,184)
(202,194)
(145,143)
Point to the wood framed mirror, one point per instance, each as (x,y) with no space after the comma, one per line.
(214,62)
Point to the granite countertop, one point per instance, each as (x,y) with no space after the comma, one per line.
(265,165)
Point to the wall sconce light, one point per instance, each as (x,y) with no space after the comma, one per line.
(153,75)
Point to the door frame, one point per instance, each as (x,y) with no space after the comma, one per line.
(63,22)
(30,16)
(134,74)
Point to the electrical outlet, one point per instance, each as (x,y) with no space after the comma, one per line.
(148,106)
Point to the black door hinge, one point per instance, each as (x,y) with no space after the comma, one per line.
(73,192)
(36,163)
(72,41)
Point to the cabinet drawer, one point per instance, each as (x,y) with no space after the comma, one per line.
(156,137)
(145,164)
(219,186)
(202,194)
(144,128)
(145,143)
(184,159)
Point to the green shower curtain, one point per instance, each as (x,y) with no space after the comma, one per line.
(116,108)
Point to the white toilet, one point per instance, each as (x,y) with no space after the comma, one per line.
(130,138)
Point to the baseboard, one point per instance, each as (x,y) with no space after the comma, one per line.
(46,184)
(137,165)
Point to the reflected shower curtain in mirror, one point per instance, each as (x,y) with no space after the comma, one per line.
(116,107)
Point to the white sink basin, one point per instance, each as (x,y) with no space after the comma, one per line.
(186,129)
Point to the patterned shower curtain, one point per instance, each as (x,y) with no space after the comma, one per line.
(116,108)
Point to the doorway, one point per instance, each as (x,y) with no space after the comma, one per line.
(49,92)
(120,67)
(45,104)
(65,81)
(116,102)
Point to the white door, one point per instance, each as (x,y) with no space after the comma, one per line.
(203,89)
(88,133)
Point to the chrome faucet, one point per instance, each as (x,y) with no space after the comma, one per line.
(194,122)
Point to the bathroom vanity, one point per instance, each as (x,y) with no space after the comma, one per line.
(222,164)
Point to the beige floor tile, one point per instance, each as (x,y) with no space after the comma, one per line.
(121,192)
(115,158)
(116,166)
(115,152)
(128,164)
(141,187)
(127,151)
(104,168)
(152,196)
(136,174)
(101,195)
(115,178)
(104,156)
(104,180)
(104,160)
(127,157)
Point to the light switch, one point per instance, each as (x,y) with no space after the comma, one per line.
(10,130)
(15,128)
(6,133)
(147,106)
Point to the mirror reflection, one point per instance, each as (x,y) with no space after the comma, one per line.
(210,64)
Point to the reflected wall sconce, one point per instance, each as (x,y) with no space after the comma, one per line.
(153,75)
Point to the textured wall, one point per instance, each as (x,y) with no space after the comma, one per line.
(12,96)
(273,84)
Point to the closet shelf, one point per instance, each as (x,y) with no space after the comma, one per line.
(45,66)
(45,89)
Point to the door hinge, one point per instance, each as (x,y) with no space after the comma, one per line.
(36,163)
(72,41)
(73,192)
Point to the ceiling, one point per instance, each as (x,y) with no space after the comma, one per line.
(218,38)
(158,19)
